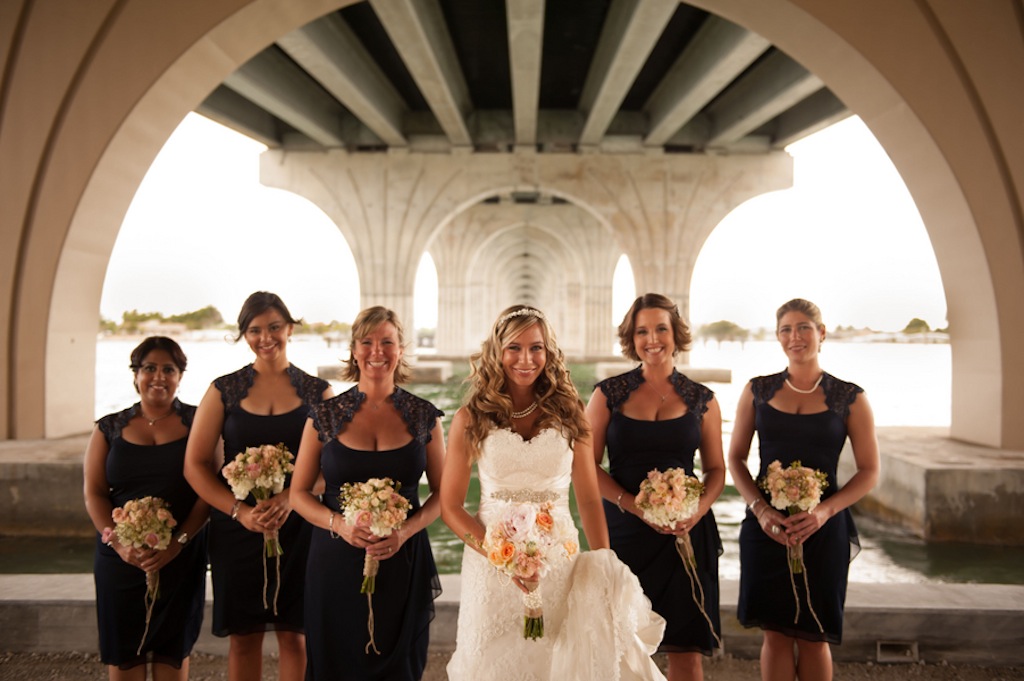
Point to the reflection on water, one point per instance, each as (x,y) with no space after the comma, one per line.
(886,556)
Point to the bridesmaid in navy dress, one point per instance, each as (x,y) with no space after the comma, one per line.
(800,414)
(266,402)
(654,417)
(132,454)
(374,430)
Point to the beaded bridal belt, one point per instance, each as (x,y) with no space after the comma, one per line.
(525,496)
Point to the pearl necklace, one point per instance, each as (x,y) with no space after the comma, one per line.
(525,412)
(805,392)
(152,421)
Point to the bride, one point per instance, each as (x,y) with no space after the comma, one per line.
(523,425)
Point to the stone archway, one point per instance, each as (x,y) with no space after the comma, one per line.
(929,79)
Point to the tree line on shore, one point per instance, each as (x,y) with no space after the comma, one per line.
(134,322)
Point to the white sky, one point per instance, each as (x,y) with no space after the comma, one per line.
(203,231)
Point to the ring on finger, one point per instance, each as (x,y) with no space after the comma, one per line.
(775,529)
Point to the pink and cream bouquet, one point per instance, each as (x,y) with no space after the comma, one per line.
(260,471)
(374,505)
(793,489)
(666,498)
(525,542)
(144,523)
(670,496)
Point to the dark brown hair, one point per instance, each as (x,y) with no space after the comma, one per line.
(258,303)
(157,343)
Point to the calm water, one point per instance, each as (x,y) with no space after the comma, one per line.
(908,384)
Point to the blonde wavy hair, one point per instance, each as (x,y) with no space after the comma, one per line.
(366,323)
(487,399)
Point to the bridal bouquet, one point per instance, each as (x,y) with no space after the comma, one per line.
(665,498)
(376,506)
(261,471)
(794,489)
(525,542)
(144,523)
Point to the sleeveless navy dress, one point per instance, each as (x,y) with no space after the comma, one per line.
(236,554)
(407,583)
(766,595)
(136,471)
(634,448)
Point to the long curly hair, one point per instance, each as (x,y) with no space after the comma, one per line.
(488,401)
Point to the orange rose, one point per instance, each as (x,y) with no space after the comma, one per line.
(507,551)
(545,521)
(571,548)
(495,558)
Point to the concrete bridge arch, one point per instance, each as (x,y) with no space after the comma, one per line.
(79,130)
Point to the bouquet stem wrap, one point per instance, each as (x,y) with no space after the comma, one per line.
(370,568)
(533,617)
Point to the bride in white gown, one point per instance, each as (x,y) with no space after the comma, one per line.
(523,425)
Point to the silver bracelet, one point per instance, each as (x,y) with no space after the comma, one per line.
(234,509)
(330,526)
(618,502)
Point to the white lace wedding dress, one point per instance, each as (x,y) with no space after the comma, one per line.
(597,622)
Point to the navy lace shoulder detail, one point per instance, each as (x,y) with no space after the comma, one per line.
(111,425)
(618,388)
(310,389)
(331,416)
(839,395)
(694,394)
(419,414)
(235,386)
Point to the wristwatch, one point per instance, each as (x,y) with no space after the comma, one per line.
(183,538)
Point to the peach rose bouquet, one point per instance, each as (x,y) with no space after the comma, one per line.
(525,542)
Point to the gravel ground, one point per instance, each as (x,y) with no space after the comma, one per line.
(82,667)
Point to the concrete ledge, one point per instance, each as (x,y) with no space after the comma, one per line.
(978,624)
(945,490)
